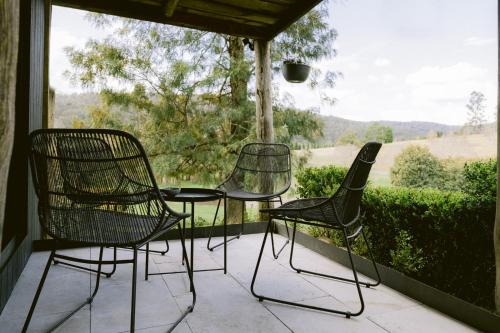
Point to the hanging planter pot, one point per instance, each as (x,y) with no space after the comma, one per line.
(295,71)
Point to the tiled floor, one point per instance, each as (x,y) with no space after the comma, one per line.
(224,302)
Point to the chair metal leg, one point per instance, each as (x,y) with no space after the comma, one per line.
(261,298)
(276,255)
(134,292)
(232,238)
(212,227)
(335,277)
(146,273)
(379,279)
(83,268)
(152,251)
(355,274)
(40,286)
(191,283)
(38,291)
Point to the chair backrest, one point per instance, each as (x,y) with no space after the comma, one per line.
(347,199)
(89,169)
(263,168)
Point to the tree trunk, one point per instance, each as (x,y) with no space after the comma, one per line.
(238,81)
(9,26)
(496,231)
(51,108)
(263,101)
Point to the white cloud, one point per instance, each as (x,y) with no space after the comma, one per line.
(382,62)
(445,89)
(479,41)
(444,83)
(59,39)
(341,63)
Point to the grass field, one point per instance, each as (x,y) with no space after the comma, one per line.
(469,147)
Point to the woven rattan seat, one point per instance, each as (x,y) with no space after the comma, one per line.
(340,211)
(95,187)
(104,227)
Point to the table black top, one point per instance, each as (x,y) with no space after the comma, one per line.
(192,195)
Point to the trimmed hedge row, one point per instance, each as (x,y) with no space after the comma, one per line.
(444,239)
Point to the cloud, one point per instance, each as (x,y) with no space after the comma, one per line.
(340,63)
(441,74)
(382,62)
(59,39)
(479,41)
(446,89)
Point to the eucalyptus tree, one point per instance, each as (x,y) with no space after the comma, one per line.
(187,94)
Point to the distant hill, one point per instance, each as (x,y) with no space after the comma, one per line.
(335,126)
(69,107)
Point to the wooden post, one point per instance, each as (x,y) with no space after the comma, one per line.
(263,97)
(9,24)
(263,100)
(496,231)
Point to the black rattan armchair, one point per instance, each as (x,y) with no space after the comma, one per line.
(262,173)
(340,211)
(96,188)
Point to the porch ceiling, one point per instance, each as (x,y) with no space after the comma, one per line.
(259,19)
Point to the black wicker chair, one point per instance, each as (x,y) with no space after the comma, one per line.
(340,211)
(262,173)
(96,188)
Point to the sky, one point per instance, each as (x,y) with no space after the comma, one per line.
(401,60)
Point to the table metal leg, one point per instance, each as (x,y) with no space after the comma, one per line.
(184,227)
(192,243)
(225,234)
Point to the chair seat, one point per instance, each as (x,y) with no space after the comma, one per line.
(312,209)
(249,196)
(104,227)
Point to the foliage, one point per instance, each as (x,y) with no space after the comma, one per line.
(308,39)
(379,133)
(415,166)
(440,238)
(320,181)
(405,258)
(184,93)
(480,179)
(453,174)
(348,137)
(476,111)
(292,123)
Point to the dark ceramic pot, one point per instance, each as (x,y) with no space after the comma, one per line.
(295,73)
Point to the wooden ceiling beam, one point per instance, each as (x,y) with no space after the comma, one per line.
(299,9)
(152,13)
(219,9)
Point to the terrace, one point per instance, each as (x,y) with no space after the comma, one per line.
(224,302)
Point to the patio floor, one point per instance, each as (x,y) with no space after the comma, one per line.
(224,302)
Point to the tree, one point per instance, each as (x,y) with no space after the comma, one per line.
(348,137)
(185,93)
(476,111)
(379,133)
(415,166)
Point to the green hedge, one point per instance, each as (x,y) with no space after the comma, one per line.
(444,239)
